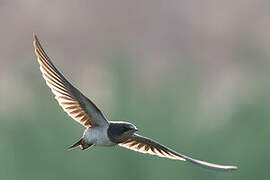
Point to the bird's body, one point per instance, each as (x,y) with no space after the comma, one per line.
(106,135)
(99,131)
(98,136)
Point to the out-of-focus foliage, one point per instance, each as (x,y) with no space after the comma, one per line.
(192,75)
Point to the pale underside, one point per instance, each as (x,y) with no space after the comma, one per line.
(98,136)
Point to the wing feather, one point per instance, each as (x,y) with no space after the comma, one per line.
(79,107)
(146,145)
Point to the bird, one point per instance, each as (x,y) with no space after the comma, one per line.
(98,130)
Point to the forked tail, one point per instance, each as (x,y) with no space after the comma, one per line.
(83,145)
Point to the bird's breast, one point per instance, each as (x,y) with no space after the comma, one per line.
(98,136)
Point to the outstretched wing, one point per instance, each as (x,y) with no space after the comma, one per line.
(79,107)
(146,145)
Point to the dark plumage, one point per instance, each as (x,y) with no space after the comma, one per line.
(119,132)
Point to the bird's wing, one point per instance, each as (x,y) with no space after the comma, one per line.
(146,145)
(79,107)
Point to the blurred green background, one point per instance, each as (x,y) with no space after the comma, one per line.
(192,75)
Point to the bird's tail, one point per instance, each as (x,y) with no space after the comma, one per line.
(82,143)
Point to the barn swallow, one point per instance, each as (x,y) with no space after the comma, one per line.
(98,130)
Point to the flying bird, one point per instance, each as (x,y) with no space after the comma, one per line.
(98,130)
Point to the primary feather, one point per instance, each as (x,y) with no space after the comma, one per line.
(79,107)
(146,145)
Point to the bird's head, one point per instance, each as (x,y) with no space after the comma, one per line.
(119,131)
